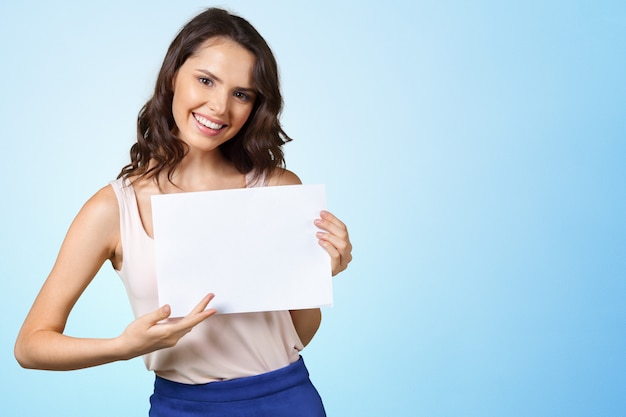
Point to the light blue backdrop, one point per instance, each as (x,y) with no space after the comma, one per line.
(476,149)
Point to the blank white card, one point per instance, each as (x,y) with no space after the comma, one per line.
(254,248)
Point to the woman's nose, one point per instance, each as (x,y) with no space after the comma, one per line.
(218,101)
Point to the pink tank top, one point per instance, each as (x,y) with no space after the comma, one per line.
(224,346)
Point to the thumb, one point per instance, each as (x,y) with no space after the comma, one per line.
(163,313)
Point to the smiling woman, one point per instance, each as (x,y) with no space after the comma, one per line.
(211,124)
(204,46)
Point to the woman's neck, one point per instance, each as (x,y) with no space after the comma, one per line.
(203,172)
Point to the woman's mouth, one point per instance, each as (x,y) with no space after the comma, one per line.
(207,123)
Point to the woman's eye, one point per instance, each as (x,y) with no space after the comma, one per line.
(242,96)
(205,81)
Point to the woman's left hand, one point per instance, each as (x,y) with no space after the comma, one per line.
(334,238)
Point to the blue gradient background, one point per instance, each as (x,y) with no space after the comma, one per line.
(476,149)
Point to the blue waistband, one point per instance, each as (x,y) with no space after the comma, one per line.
(236,389)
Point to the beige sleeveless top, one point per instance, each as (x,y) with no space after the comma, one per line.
(224,346)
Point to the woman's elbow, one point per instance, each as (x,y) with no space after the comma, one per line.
(23,354)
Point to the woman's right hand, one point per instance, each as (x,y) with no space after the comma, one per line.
(149,333)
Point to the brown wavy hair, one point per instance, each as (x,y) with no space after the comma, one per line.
(256,147)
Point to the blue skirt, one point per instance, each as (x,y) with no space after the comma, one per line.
(285,392)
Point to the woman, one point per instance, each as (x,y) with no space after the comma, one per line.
(211,124)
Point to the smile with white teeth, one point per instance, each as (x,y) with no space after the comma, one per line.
(206,122)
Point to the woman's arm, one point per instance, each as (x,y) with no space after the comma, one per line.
(306,323)
(92,238)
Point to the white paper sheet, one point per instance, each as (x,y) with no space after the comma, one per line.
(254,248)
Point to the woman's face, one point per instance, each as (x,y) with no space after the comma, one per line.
(213,94)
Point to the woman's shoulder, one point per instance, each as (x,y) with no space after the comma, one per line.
(282,176)
(97,222)
(103,204)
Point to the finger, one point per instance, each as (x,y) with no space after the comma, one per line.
(332,225)
(202,305)
(190,322)
(330,248)
(327,215)
(337,262)
(339,250)
(199,313)
(342,245)
(160,314)
(331,218)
